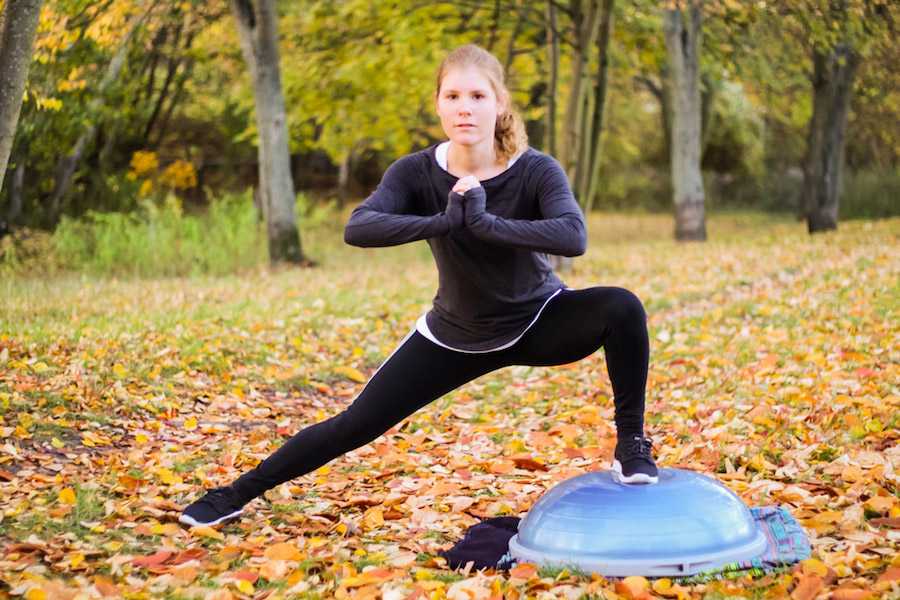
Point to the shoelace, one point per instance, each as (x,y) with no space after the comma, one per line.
(220,499)
(639,447)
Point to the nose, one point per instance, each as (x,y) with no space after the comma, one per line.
(465,107)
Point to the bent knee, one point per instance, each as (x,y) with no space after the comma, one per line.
(628,306)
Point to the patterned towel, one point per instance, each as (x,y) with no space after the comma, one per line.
(486,544)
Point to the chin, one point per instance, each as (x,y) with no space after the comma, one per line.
(465,140)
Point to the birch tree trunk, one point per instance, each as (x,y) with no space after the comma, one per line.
(833,74)
(18,23)
(586,35)
(683,33)
(588,183)
(258,27)
(552,86)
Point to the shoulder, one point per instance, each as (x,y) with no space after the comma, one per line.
(409,169)
(540,165)
(412,162)
(540,159)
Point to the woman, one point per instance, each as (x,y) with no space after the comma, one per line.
(491,208)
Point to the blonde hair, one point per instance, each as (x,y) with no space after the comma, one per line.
(509,132)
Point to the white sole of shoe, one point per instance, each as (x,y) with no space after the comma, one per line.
(631,479)
(189,520)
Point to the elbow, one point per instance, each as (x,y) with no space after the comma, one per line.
(355,236)
(350,238)
(579,241)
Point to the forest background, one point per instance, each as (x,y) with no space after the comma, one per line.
(137,110)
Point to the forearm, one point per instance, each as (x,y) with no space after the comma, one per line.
(368,228)
(562,234)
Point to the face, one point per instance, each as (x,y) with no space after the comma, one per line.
(468,106)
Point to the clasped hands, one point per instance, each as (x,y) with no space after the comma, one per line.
(464,208)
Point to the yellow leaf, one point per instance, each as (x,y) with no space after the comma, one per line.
(812,566)
(207,531)
(36,594)
(190,423)
(350,373)
(75,560)
(57,443)
(141,439)
(880,504)
(663,585)
(39,367)
(373,518)
(119,371)
(244,586)
(67,496)
(168,477)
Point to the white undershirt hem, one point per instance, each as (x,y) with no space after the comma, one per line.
(422,327)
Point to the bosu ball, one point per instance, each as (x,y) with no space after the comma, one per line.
(684,524)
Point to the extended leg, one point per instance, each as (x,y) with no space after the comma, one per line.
(417,373)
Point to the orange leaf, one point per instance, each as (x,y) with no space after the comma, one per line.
(283,551)
(189,554)
(105,586)
(152,560)
(501,467)
(523,571)
(892,574)
(807,587)
(850,594)
(246,576)
(635,587)
(528,463)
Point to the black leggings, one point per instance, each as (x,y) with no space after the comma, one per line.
(573,325)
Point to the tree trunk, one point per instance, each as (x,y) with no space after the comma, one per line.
(683,33)
(553,59)
(511,46)
(18,23)
(495,27)
(16,192)
(586,28)
(67,165)
(258,27)
(592,162)
(344,178)
(832,90)
(662,92)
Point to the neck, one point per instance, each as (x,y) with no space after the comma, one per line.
(472,159)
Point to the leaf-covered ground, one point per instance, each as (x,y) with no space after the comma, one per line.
(774,368)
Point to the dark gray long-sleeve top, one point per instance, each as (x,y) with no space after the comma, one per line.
(493,272)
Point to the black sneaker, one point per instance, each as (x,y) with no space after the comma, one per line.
(217,506)
(633,462)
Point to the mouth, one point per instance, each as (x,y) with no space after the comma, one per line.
(465,126)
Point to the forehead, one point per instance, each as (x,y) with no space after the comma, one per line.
(465,79)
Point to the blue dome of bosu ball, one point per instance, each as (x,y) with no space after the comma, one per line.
(682,525)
